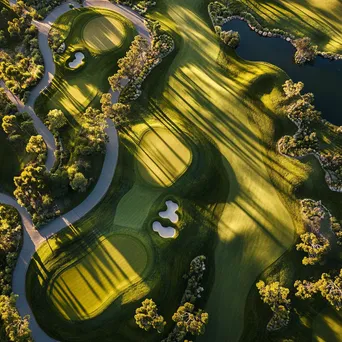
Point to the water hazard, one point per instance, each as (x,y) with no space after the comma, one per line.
(323,77)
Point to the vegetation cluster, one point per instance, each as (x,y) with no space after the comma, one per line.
(313,242)
(301,111)
(43,7)
(276,297)
(187,319)
(21,63)
(230,38)
(139,61)
(13,328)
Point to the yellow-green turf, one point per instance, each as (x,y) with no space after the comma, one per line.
(327,326)
(134,207)
(103,33)
(86,287)
(162,157)
(73,96)
(212,90)
(319,20)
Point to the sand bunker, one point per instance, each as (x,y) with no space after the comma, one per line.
(79,56)
(164,232)
(170,212)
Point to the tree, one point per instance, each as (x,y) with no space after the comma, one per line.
(118,112)
(305,289)
(36,145)
(79,182)
(16,328)
(9,124)
(3,40)
(315,245)
(92,137)
(330,288)
(147,317)
(276,297)
(230,38)
(56,120)
(292,89)
(189,320)
(306,52)
(31,192)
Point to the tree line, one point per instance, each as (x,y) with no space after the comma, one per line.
(13,328)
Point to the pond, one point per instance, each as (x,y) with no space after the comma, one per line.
(323,77)
(79,56)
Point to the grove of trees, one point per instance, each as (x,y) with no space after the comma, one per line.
(13,328)
(276,297)
(21,64)
(32,192)
(147,317)
(328,286)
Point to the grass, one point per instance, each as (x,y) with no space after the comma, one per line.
(327,326)
(321,21)
(129,208)
(72,91)
(162,157)
(104,33)
(84,289)
(236,196)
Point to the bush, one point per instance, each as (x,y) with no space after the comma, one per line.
(230,38)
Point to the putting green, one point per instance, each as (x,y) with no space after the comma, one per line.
(87,287)
(162,157)
(103,33)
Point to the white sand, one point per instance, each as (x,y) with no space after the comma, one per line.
(79,56)
(164,232)
(170,212)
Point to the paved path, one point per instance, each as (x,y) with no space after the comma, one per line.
(32,237)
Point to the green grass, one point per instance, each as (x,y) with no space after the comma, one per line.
(319,20)
(110,29)
(129,208)
(327,326)
(162,157)
(237,188)
(72,91)
(84,289)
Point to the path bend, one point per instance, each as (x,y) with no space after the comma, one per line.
(33,238)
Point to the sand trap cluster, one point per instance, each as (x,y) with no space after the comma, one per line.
(79,57)
(169,213)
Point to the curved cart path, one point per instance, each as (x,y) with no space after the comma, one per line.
(33,238)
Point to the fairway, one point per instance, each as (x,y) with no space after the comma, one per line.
(162,157)
(89,285)
(103,33)
(327,326)
(73,96)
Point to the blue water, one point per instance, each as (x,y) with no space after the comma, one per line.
(323,77)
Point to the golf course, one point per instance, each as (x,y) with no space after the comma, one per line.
(191,168)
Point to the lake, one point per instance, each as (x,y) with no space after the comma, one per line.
(323,77)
